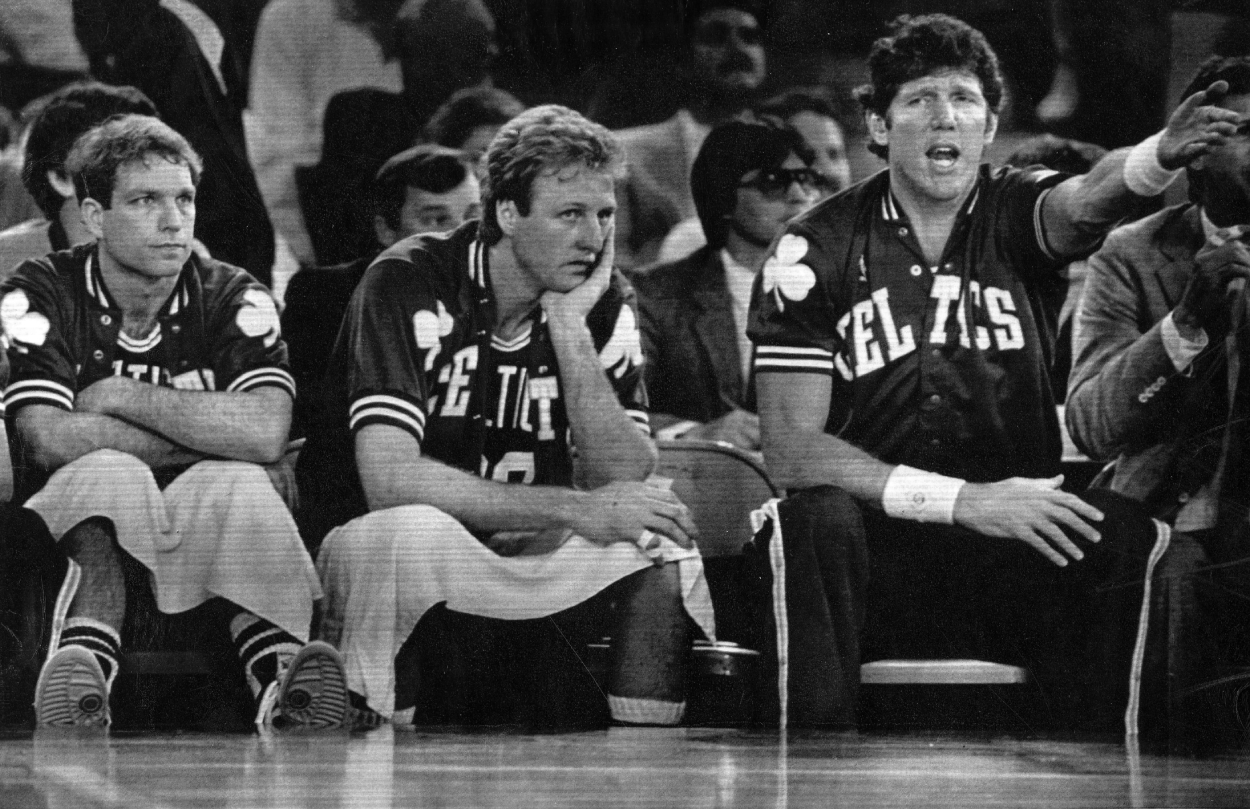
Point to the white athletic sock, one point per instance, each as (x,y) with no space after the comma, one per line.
(642,711)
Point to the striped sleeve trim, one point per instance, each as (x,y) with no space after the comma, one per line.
(642,419)
(263,377)
(382,409)
(38,391)
(1039,227)
(793,359)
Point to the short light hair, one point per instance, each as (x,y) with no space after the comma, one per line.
(542,140)
(97,155)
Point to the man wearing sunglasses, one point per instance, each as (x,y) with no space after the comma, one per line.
(902,346)
(748,181)
(724,67)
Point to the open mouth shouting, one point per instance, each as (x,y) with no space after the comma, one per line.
(944,156)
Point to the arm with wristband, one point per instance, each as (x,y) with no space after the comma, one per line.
(800,454)
(1079,211)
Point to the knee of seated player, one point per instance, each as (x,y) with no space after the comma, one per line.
(385,534)
(828,515)
(113,466)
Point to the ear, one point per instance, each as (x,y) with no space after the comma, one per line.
(60,183)
(878,128)
(93,217)
(506,214)
(991,127)
(385,235)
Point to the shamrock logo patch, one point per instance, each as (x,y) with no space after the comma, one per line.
(784,276)
(19,324)
(624,348)
(430,329)
(258,316)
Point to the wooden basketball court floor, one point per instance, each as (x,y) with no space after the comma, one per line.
(617,767)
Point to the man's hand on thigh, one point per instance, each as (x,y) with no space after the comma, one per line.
(1033,511)
(623,511)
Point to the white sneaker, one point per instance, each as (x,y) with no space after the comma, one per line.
(310,691)
(72,690)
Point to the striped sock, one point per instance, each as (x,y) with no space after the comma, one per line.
(261,645)
(96,637)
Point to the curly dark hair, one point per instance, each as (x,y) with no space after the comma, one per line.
(540,140)
(1233,69)
(919,46)
(59,119)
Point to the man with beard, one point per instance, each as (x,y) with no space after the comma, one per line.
(1158,377)
(725,66)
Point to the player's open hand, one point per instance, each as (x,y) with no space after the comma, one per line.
(578,301)
(623,511)
(1031,510)
(1195,126)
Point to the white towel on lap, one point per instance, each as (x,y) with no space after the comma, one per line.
(220,529)
(382,572)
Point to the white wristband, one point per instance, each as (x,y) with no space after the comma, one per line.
(1142,173)
(913,494)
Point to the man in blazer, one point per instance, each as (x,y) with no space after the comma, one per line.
(747,182)
(1158,381)
(725,66)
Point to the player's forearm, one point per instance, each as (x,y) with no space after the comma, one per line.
(393,473)
(610,445)
(1078,212)
(6,467)
(800,459)
(244,425)
(53,438)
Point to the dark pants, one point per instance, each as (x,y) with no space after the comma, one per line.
(861,586)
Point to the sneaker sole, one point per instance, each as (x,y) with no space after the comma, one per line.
(72,691)
(314,693)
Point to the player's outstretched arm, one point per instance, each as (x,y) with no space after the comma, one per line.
(393,473)
(1078,211)
(53,437)
(249,425)
(799,454)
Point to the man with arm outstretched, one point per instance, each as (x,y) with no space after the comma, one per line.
(903,333)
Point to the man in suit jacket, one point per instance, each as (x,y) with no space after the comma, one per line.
(725,66)
(1155,370)
(748,181)
(1149,385)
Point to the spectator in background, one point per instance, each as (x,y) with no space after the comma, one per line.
(724,68)
(306,52)
(1068,157)
(811,113)
(55,123)
(748,180)
(176,55)
(38,50)
(362,128)
(16,204)
(443,46)
(469,120)
(424,189)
